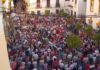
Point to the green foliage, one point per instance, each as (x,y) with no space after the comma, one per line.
(47,12)
(96,38)
(65,14)
(73,41)
(78,26)
(32,13)
(62,13)
(88,30)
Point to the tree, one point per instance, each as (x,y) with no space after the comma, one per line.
(47,12)
(20,5)
(32,13)
(62,13)
(73,41)
(88,30)
(78,26)
(96,38)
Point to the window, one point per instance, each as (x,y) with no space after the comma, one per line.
(75,1)
(91,5)
(71,12)
(75,14)
(57,3)
(38,3)
(57,11)
(99,7)
(48,3)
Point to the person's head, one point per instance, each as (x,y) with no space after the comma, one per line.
(55,59)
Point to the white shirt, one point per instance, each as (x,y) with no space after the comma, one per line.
(36,56)
(54,57)
(49,50)
(34,69)
(69,56)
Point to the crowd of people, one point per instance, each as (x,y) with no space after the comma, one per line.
(39,43)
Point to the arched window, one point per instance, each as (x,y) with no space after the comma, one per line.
(38,3)
(48,3)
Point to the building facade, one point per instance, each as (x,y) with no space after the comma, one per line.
(76,7)
(4,59)
(72,7)
(93,13)
(53,6)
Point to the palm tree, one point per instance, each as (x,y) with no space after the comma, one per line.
(97,39)
(88,30)
(73,41)
(20,5)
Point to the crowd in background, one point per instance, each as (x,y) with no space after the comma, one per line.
(39,43)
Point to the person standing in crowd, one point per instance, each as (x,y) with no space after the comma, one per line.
(39,43)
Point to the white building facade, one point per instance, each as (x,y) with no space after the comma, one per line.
(93,11)
(76,7)
(53,6)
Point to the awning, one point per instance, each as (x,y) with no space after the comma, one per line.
(98,23)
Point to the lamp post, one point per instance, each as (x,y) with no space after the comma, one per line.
(4,60)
